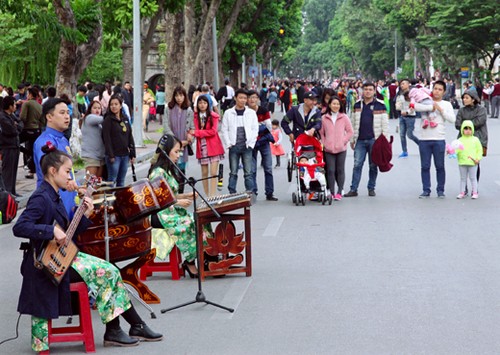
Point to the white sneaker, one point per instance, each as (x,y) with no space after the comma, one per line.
(475,195)
(461,195)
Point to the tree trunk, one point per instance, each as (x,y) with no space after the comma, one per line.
(174,73)
(73,58)
(150,29)
(197,42)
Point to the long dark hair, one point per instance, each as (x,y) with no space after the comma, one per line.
(329,110)
(209,113)
(111,114)
(182,91)
(167,143)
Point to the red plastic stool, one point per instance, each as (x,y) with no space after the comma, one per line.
(173,265)
(84,331)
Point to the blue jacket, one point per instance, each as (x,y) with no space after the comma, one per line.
(39,296)
(60,142)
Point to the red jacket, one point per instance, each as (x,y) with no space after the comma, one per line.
(209,132)
(382,153)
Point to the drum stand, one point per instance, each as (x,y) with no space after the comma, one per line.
(200,296)
(106,243)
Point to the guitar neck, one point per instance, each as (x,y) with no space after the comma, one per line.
(70,232)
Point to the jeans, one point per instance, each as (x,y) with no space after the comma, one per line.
(495,106)
(362,148)
(267,164)
(406,128)
(235,153)
(429,149)
(118,169)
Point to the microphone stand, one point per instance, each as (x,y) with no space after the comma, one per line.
(200,296)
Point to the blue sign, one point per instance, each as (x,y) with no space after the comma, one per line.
(464,74)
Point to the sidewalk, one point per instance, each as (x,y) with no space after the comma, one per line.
(25,187)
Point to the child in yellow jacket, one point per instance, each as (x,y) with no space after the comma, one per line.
(468,158)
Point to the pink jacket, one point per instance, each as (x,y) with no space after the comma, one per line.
(335,137)
(419,95)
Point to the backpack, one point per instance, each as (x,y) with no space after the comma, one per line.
(8,207)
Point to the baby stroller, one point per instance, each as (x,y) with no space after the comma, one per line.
(311,172)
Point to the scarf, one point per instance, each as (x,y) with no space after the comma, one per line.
(178,118)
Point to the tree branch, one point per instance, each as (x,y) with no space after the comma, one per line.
(228,26)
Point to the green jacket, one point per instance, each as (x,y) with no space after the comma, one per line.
(472,146)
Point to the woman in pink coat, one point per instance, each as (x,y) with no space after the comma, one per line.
(209,148)
(336,132)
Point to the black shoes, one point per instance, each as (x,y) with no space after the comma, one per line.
(117,337)
(372,193)
(144,333)
(351,194)
(271,198)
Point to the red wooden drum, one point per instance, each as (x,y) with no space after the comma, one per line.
(127,241)
(136,200)
(163,192)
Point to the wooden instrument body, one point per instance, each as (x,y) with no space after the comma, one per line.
(227,246)
(55,259)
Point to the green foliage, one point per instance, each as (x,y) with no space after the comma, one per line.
(107,65)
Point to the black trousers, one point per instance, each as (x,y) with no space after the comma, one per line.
(29,136)
(10,161)
(335,171)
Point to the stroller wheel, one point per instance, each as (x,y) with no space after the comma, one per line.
(294,198)
(323,198)
(330,199)
(303,199)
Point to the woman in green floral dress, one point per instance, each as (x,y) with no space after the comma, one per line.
(176,220)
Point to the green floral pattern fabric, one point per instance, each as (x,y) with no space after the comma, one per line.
(39,334)
(105,285)
(176,220)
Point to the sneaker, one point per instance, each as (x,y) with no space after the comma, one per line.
(351,194)
(372,193)
(441,195)
(271,198)
(29,176)
(337,197)
(424,195)
(461,195)
(403,155)
(475,196)
(433,124)
(310,196)
(425,124)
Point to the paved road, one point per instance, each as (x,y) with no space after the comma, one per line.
(390,274)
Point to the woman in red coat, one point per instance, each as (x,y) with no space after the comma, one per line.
(209,148)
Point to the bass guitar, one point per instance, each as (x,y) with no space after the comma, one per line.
(55,259)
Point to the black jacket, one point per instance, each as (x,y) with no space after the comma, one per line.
(10,127)
(117,137)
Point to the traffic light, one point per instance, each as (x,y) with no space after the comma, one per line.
(281,32)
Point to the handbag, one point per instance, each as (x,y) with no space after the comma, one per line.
(190,150)
(485,151)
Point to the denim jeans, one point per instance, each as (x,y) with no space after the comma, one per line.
(406,127)
(118,169)
(363,148)
(267,164)
(235,153)
(429,149)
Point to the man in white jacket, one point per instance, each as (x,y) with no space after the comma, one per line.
(239,131)
(432,142)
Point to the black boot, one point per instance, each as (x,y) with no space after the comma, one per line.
(144,333)
(117,337)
